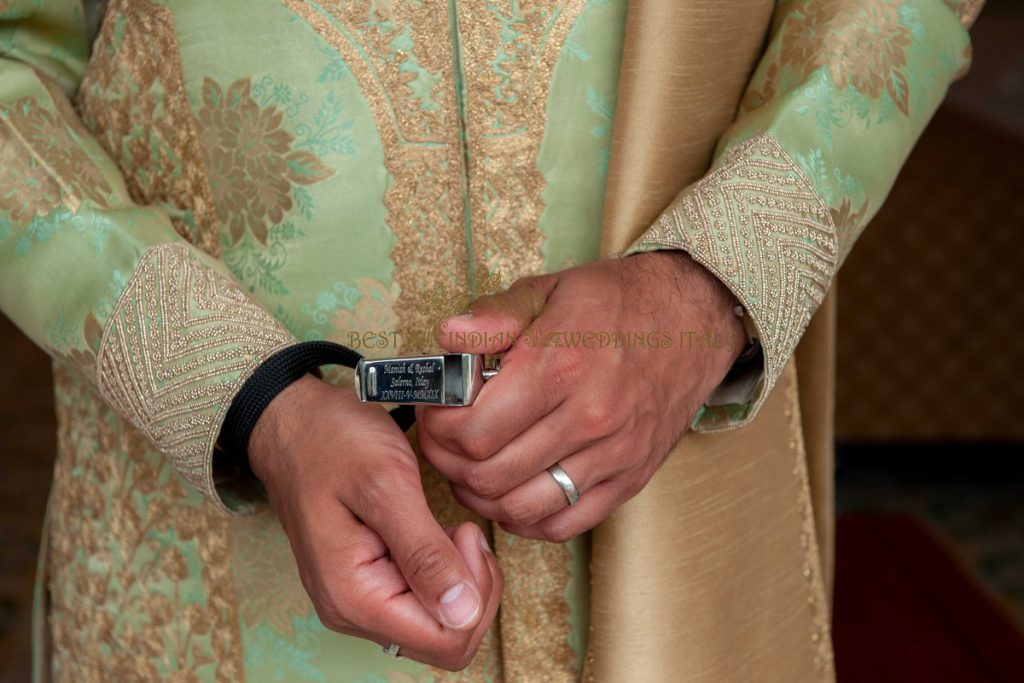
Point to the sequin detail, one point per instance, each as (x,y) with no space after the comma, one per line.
(759,225)
(534,610)
(817,601)
(181,340)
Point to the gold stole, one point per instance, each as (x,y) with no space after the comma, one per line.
(713,572)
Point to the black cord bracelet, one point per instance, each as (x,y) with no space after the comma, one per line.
(271,378)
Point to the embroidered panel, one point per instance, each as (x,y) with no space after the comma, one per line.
(139,574)
(406,73)
(180,341)
(508,57)
(759,225)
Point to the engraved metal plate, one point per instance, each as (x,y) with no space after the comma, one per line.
(451,379)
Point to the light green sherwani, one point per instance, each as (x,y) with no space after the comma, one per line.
(215,180)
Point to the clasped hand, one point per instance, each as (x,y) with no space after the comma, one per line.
(345,483)
(604,368)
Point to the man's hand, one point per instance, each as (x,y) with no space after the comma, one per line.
(346,487)
(607,412)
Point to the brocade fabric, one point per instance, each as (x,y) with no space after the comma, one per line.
(212,181)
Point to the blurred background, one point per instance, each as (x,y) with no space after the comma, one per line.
(930,393)
(930,437)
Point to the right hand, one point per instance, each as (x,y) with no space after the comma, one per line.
(345,485)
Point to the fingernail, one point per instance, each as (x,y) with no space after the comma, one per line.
(459,606)
(483,542)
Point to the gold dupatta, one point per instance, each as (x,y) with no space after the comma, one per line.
(715,571)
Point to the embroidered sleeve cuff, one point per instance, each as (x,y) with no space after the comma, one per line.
(181,341)
(758,224)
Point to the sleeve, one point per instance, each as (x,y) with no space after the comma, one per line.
(839,98)
(104,284)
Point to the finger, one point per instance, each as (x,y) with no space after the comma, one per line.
(496,321)
(469,541)
(371,598)
(455,649)
(571,521)
(507,405)
(554,437)
(473,545)
(541,496)
(391,502)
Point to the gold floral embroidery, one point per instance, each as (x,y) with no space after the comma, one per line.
(44,165)
(250,159)
(966,10)
(126,602)
(758,224)
(863,44)
(180,341)
(84,360)
(19,171)
(133,99)
(409,85)
(508,55)
(535,614)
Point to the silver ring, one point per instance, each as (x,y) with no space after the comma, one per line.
(392,650)
(564,481)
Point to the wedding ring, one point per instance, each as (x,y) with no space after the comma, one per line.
(564,481)
(391,650)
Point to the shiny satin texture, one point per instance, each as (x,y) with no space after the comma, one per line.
(715,571)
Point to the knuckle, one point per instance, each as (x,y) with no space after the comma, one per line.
(516,511)
(427,565)
(482,482)
(598,416)
(463,661)
(475,443)
(565,367)
(455,656)
(560,531)
(379,484)
(634,485)
(330,617)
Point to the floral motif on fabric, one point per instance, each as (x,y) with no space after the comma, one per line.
(266,578)
(370,325)
(41,152)
(138,566)
(253,164)
(133,101)
(862,46)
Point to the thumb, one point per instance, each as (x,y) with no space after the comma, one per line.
(497,320)
(427,557)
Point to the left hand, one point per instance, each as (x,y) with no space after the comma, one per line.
(607,413)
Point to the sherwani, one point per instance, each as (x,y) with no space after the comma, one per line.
(188,187)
